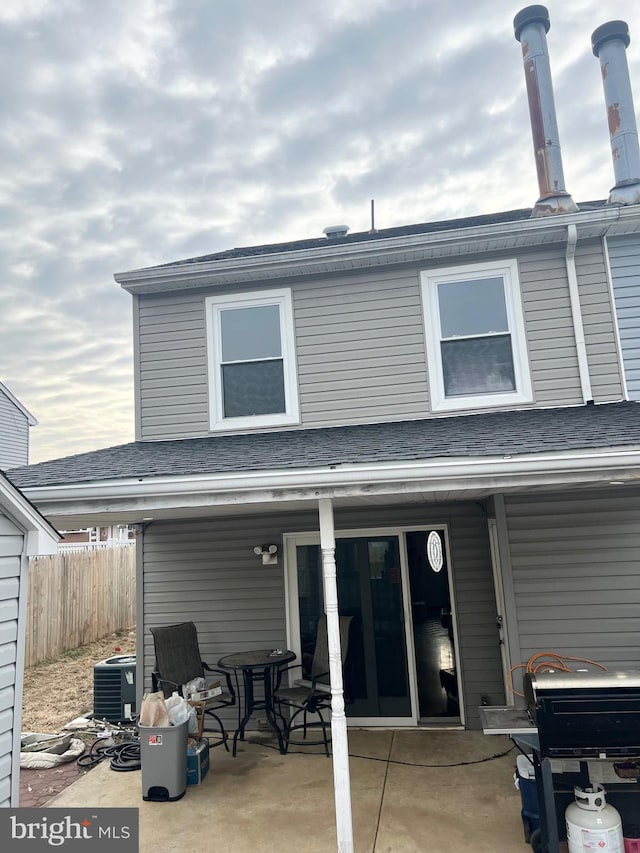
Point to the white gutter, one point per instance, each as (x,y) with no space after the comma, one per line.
(323,258)
(364,476)
(576,313)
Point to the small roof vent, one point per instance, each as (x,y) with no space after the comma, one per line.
(333,231)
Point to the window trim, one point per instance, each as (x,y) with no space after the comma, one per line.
(508,271)
(213,307)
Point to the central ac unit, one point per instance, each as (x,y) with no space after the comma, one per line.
(114,689)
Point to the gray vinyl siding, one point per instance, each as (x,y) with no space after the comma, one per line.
(553,359)
(206,571)
(624,260)
(14,434)
(598,322)
(575,562)
(11,545)
(173,366)
(360,345)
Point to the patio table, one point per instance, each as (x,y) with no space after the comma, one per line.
(254,666)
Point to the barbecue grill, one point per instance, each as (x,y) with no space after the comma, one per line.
(576,725)
(585,714)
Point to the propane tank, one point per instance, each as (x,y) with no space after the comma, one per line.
(592,824)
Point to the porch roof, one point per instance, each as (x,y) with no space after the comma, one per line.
(465,457)
(507,433)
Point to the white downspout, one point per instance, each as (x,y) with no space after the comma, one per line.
(576,313)
(341,779)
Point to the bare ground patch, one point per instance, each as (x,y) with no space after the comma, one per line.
(57,691)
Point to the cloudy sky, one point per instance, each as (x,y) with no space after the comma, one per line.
(135,133)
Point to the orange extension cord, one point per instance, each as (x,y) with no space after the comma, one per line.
(550,661)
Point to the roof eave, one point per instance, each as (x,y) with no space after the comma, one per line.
(41,536)
(141,497)
(33,421)
(392,250)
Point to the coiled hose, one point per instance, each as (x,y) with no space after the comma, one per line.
(125,756)
(546,662)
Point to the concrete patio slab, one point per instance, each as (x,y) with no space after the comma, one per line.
(263,801)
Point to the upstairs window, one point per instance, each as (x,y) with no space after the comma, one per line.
(476,347)
(251,360)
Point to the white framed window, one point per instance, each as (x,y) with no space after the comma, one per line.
(251,356)
(474,330)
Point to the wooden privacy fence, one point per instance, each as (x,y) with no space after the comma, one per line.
(79,597)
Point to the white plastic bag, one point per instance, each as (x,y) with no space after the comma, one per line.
(193,720)
(180,711)
(193,686)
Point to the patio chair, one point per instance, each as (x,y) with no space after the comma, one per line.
(178,661)
(312,696)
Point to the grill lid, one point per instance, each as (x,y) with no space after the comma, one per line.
(598,680)
(585,714)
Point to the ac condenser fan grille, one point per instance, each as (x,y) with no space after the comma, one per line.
(114,691)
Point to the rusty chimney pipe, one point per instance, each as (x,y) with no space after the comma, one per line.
(531,26)
(610,42)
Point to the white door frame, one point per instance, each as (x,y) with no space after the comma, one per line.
(292,540)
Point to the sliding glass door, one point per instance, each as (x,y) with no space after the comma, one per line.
(369,581)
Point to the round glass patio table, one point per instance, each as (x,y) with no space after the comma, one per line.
(261,665)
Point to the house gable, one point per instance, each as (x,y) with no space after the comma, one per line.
(15,421)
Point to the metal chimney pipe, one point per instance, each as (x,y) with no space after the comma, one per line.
(610,42)
(531,26)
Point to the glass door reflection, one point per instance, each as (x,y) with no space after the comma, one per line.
(370,590)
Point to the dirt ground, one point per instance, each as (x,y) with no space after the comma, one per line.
(58,691)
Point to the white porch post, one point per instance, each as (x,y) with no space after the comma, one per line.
(341,780)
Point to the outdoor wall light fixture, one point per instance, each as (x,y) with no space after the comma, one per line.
(269,554)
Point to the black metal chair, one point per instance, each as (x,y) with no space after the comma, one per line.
(312,696)
(178,661)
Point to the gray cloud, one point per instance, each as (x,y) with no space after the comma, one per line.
(138,133)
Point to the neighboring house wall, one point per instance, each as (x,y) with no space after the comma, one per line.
(361,348)
(206,571)
(576,574)
(14,434)
(11,560)
(624,260)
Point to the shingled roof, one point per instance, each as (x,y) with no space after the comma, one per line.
(372,236)
(509,433)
